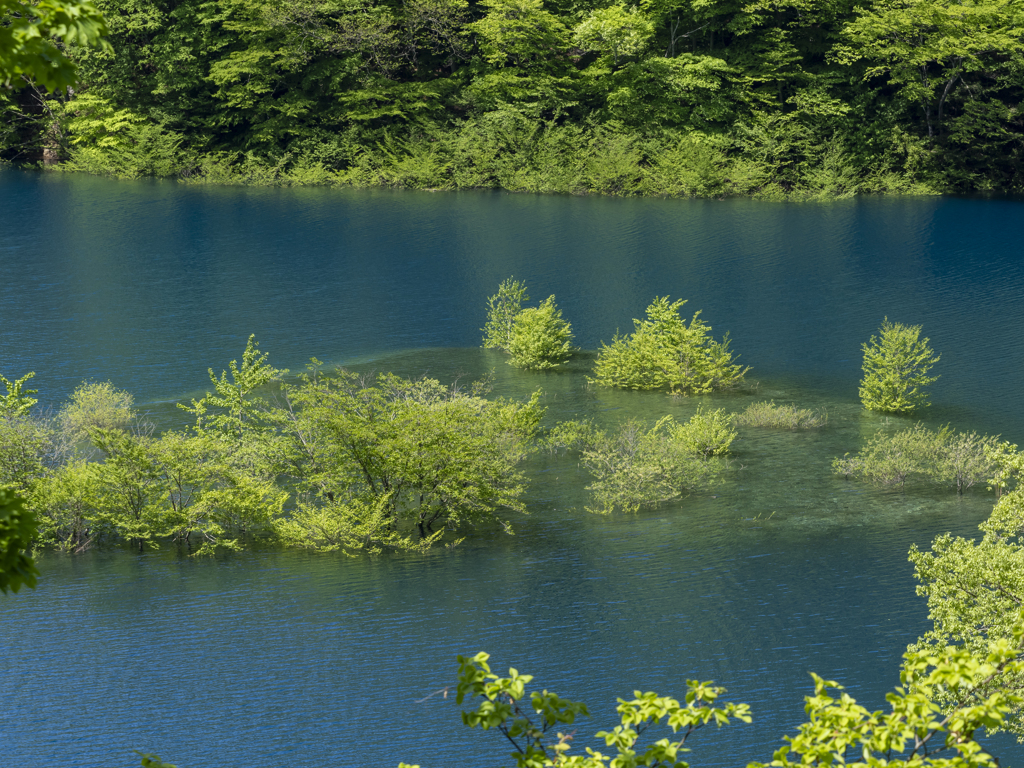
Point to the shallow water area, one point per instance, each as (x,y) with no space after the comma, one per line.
(273,658)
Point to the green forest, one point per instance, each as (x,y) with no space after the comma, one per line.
(794,99)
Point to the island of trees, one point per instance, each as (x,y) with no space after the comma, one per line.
(331,460)
(661,97)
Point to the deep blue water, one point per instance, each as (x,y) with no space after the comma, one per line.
(285,659)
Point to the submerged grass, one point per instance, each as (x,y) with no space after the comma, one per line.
(768,414)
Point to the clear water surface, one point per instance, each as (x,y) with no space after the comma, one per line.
(287,659)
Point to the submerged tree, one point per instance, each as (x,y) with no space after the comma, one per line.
(944,455)
(637,466)
(664,352)
(536,338)
(896,366)
(502,309)
(396,451)
(540,339)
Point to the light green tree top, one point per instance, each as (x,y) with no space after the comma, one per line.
(18,400)
(664,352)
(541,338)
(616,32)
(235,401)
(519,32)
(502,309)
(896,366)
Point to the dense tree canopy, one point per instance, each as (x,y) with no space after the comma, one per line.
(664,96)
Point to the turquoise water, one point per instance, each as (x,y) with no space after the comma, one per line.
(284,659)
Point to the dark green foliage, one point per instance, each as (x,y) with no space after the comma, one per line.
(668,97)
(17,530)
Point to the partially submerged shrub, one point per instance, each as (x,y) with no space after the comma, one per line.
(891,459)
(502,309)
(636,466)
(98,405)
(1008,465)
(536,338)
(768,414)
(964,459)
(663,352)
(896,365)
(540,339)
(946,456)
(707,433)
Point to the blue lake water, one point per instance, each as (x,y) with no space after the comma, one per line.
(275,658)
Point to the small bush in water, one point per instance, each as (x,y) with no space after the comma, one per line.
(768,414)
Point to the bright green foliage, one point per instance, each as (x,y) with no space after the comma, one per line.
(30,37)
(947,695)
(235,405)
(342,465)
(349,526)
(663,352)
(17,531)
(1008,466)
(204,496)
(128,480)
(502,309)
(896,366)
(615,32)
(26,444)
(69,505)
(945,456)
(519,33)
(413,451)
(18,401)
(768,414)
(637,467)
(118,142)
(975,590)
(527,718)
(96,405)
(540,338)
(536,338)
(839,730)
(707,433)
